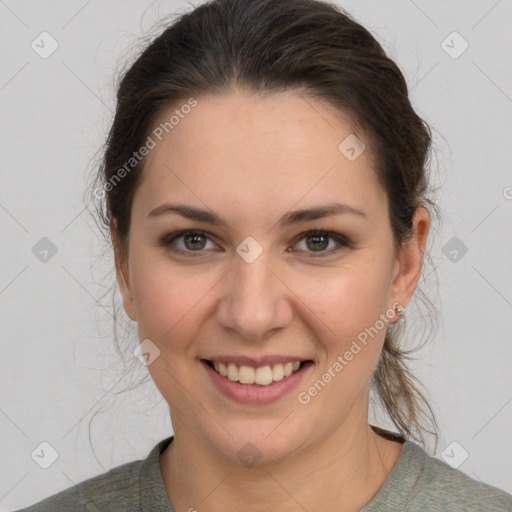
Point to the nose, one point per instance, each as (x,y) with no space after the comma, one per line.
(255,302)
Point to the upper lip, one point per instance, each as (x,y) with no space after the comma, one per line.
(256,362)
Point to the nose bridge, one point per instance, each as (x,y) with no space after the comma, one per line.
(254,302)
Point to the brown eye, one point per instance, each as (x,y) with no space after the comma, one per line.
(188,242)
(194,241)
(318,241)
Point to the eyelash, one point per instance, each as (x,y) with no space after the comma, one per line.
(342,241)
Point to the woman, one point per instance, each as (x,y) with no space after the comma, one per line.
(266,193)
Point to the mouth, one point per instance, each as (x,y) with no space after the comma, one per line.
(257,376)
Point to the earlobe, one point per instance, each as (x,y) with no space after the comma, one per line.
(410,259)
(128,302)
(122,273)
(399,310)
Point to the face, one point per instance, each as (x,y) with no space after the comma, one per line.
(254,288)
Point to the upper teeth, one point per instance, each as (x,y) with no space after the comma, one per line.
(264,375)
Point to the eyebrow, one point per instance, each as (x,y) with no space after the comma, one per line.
(293,217)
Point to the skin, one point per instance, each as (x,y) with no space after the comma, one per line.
(250,160)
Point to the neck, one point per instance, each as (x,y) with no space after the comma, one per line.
(340,472)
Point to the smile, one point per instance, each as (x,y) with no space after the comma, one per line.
(262,376)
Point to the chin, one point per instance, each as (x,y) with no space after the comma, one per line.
(257,443)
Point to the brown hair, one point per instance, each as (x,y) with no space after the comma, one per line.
(268,46)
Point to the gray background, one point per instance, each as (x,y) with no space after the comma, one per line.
(58,365)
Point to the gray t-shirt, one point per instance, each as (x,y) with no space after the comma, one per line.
(416,483)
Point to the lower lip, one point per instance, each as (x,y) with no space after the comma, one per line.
(254,393)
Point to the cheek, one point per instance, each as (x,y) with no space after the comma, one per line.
(353,304)
(171,312)
(168,301)
(347,299)
(174,304)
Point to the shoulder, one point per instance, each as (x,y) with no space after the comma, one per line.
(436,486)
(131,487)
(118,489)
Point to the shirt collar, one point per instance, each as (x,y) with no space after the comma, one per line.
(153,495)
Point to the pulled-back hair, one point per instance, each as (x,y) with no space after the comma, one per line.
(271,46)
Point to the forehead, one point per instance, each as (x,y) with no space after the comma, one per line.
(247,153)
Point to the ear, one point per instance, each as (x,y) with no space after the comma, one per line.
(410,258)
(121,263)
